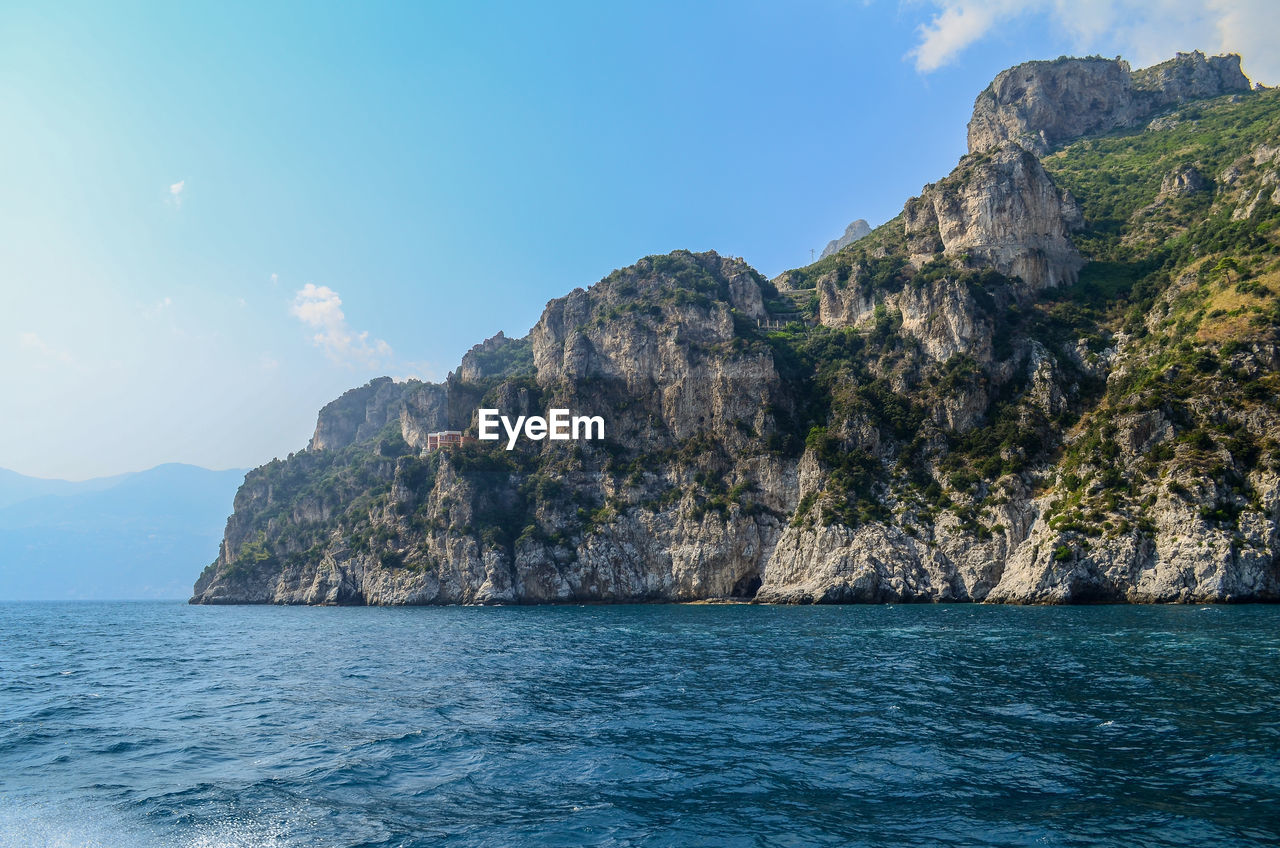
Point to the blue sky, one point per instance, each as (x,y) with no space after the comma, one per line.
(216,218)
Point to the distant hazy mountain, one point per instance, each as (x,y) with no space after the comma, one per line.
(136,535)
(15,487)
(857,230)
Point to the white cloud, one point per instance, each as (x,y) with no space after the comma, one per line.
(158,308)
(33,342)
(956,26)
(320,308)
(175,193)
(275,278)
(1143,31)
(1251,28)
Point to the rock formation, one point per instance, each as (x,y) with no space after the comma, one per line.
(1042,105)
(858,229)
(1000,209)
(1183,181)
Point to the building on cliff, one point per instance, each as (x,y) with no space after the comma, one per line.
(446,439)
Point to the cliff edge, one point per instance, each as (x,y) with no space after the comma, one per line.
(1042,105)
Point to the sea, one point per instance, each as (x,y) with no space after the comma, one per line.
(161,724)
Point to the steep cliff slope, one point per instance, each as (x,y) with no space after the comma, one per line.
(1049,380)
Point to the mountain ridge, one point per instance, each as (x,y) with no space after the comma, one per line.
(1051,379)
(112,538)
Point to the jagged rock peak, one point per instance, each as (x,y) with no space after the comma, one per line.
(1000,209)
(363,413)
(1041,105)
(345,420)
(478,362)
(857,230)
(579,336)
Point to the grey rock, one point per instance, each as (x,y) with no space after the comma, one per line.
(999,209)
(1042,105)
(857,230)
(1183,181)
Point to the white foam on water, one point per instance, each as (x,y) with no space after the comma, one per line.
(48,826)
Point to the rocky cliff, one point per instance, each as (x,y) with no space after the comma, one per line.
(999,209)
(1051,379)
(1041,105)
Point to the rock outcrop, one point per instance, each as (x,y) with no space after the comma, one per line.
(857,230)
(999,209)
(1183,181)
(362,413)
(1043,105)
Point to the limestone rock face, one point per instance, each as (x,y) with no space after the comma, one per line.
(1000,209)
(942,316)
(486,358)
(852,305)
(341,421)
(361,413)
(658,355)
(1187,560)
(1254,178)
(1042,105)
(852,233)
(1191,76)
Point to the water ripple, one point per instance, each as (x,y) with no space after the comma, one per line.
(165,725)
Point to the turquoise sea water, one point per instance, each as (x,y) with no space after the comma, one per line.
(159,724)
